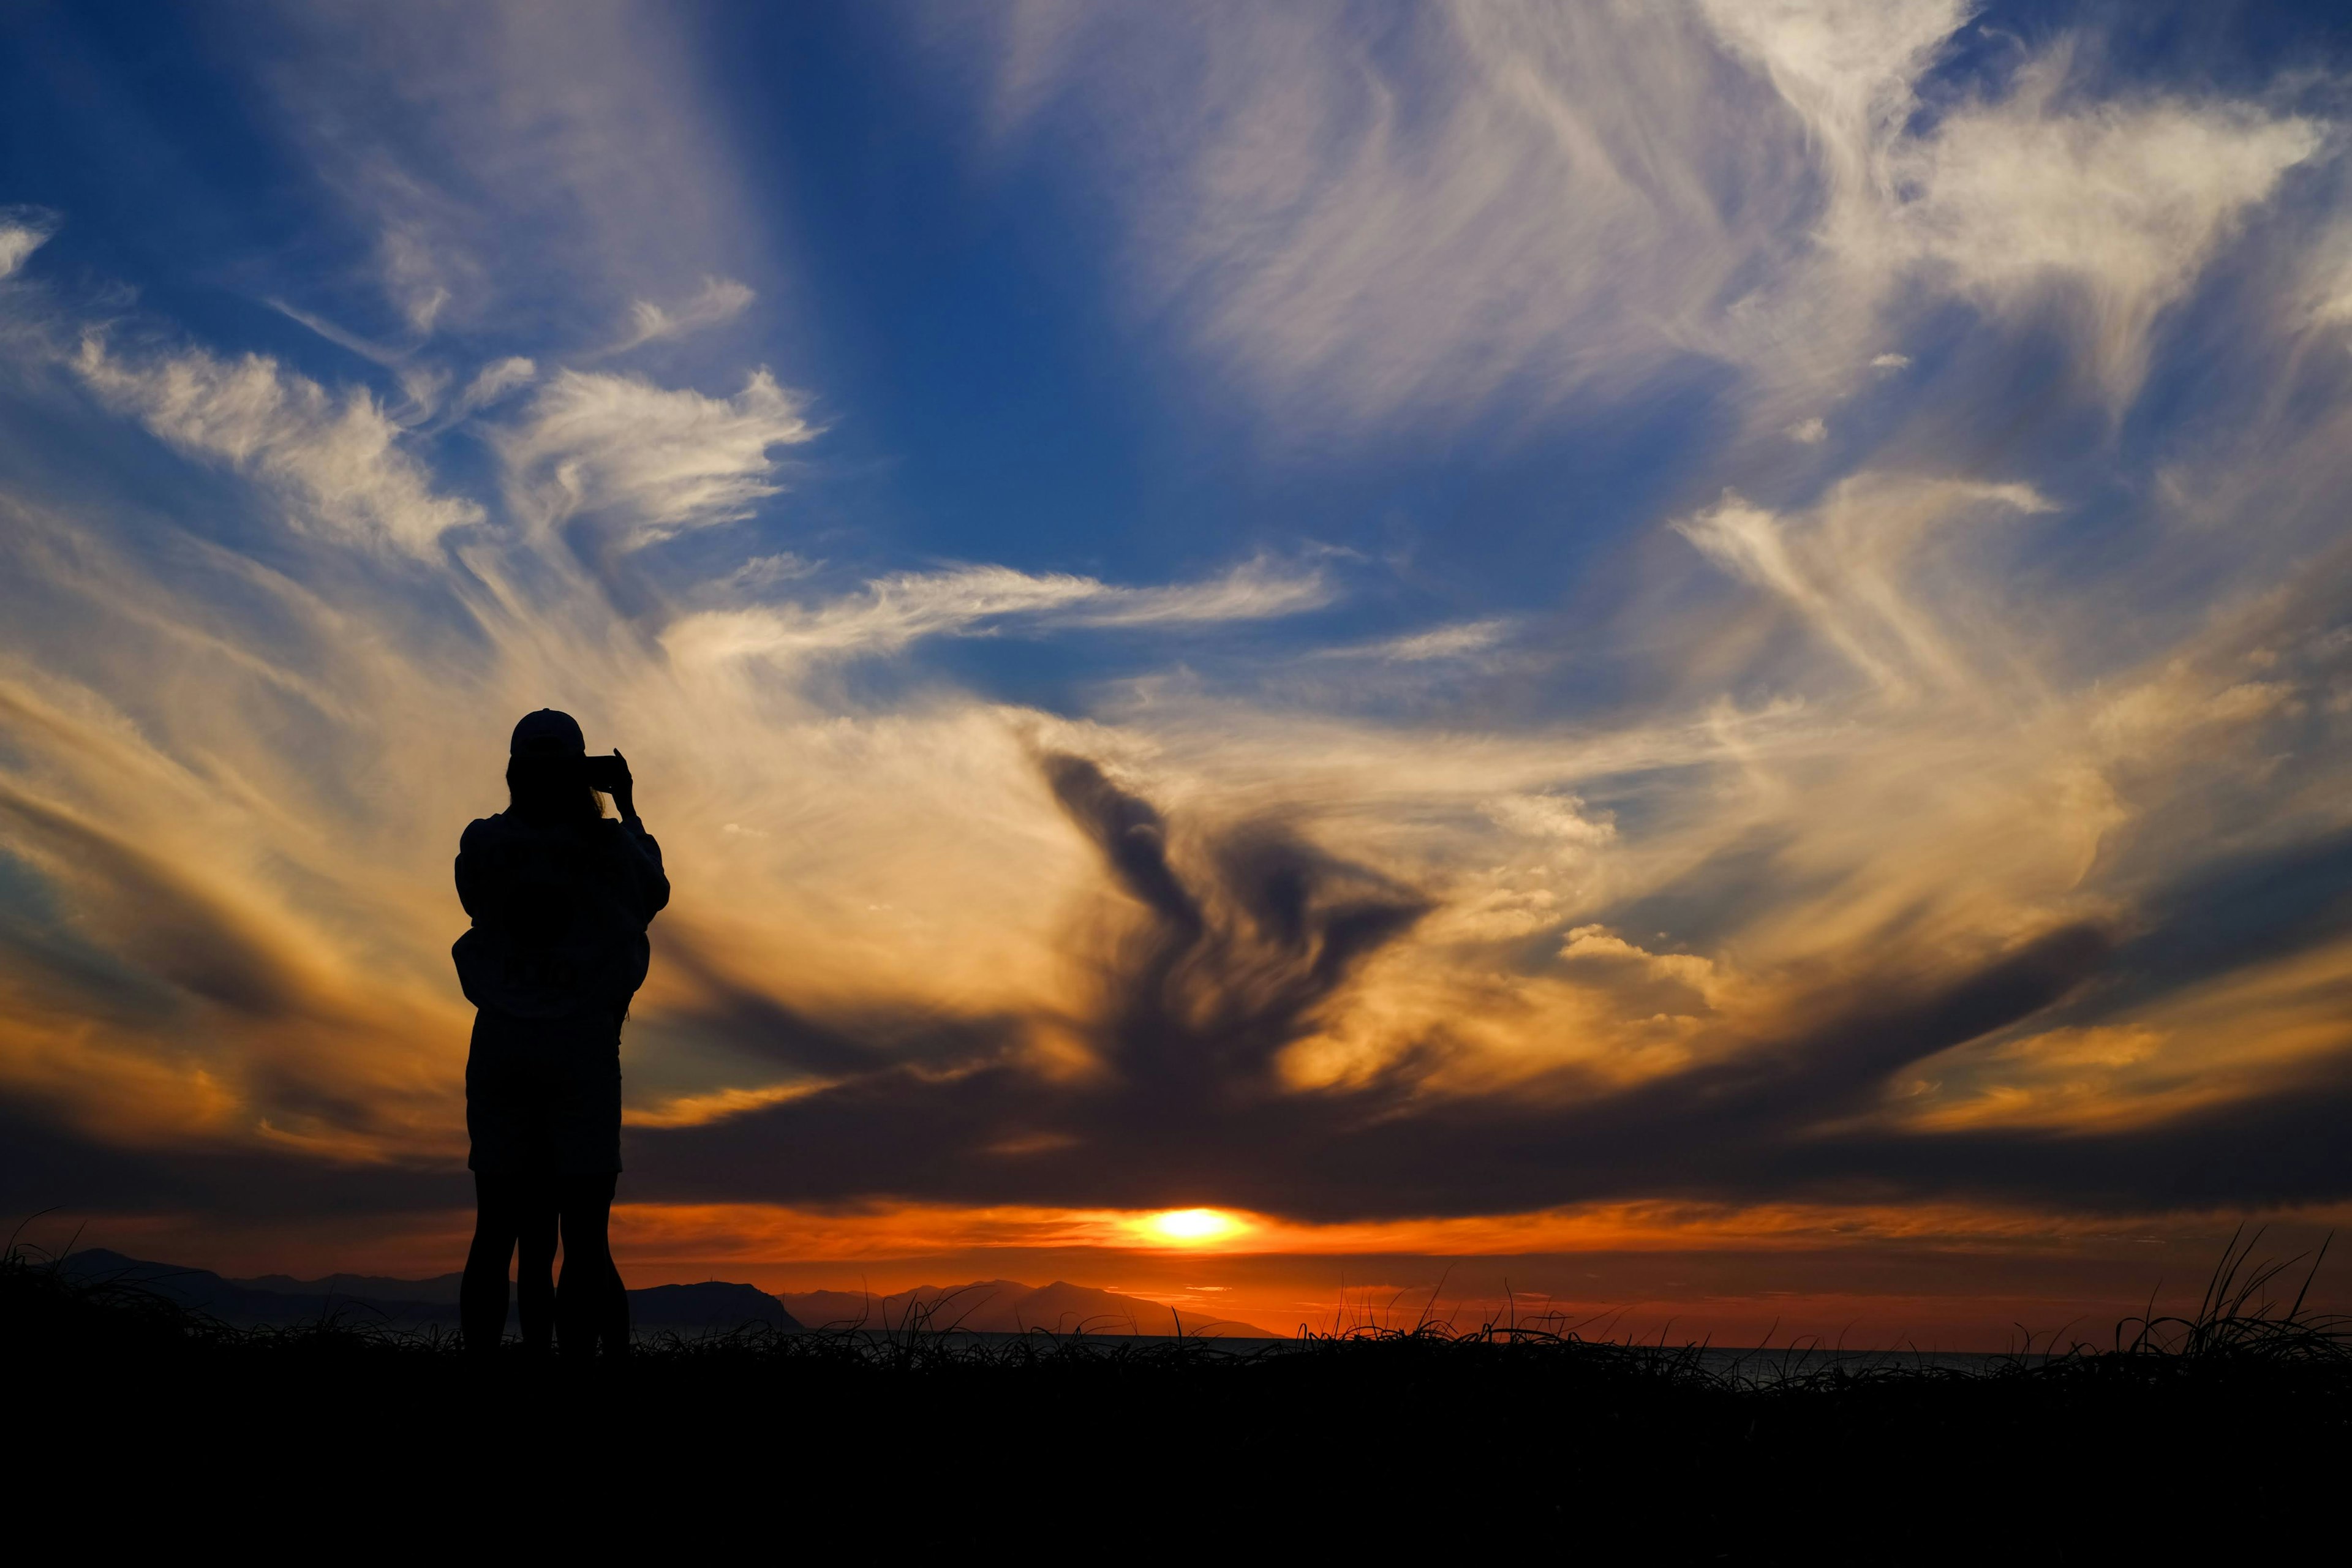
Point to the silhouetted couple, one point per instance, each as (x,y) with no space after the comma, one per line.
(561,895)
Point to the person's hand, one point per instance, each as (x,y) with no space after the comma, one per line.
(624,789)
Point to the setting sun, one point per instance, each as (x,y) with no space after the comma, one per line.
(1192,1227)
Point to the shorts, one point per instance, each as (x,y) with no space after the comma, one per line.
(543,1095)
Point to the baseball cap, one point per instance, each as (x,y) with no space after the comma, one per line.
(548,733)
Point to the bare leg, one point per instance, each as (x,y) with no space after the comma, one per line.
(482,1293)
(590,1306)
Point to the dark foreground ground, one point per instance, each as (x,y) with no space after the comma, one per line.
(138,1423)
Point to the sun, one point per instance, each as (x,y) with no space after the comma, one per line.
(1190,1227)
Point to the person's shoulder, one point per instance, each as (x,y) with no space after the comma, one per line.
(609,835)
(629,843)
(481,829)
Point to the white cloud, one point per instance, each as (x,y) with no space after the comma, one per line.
(1495,202)
(2331,303)
(1809,432)
(654,460)
(718,300)
(1847,67)
(21,234)
(895,611)
(497,182)
(1368,229)
(415,277)
(1846,567)
(1441,642)
(493,381)
(2006,197)
(766,571)
(336,464)
(1255,591)
(1502,204)
(1891,361)
(421,382)
(1593,943)
(892,611)
(341,337)
(2124,202)
(2322,295)
(1554,816)
(1460,641)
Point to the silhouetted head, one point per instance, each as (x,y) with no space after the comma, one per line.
(547,769)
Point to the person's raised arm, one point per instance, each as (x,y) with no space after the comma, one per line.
(653,882)
(625,794)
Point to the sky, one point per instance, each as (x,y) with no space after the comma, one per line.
(1686,663)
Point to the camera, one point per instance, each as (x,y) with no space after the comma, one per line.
(607,775)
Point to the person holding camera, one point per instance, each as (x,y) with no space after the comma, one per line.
(561,896)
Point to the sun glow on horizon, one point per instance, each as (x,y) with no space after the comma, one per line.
(1190,1227)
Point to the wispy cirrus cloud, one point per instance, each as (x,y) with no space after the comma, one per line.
(2101,211)
(895,611)
(1347,218)
(493,382)
(335,462)
(485,181)
(651,460)
(718,300)
(22,232)
(1344,218)
(1854,567)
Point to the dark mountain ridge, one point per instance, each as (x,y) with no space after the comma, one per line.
(990,1306)
(278,1299)
(1009,1306)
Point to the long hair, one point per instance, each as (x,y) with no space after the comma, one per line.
(551,789)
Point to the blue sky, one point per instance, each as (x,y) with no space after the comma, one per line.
(1346,613)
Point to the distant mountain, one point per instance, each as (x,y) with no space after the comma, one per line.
(1009,1306)
(714,1304)
(988,1306)
(246,1302)
(275,1298)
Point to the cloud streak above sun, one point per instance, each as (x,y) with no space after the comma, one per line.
(1706,607)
